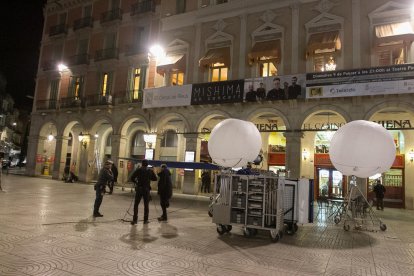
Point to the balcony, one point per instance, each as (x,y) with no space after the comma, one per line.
(70,102)
(130,96)
(82,59)
(95,100)
(57,30)
(85,22)
(105,54)
(46,104)
(132,50)
(111,16)
(142,7)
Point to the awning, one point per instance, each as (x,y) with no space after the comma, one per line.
(270,49)
(171,62)
(221,55)
(393,34)
(323,43)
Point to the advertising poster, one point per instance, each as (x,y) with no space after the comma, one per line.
(397,79)
(284,87)
(217,92)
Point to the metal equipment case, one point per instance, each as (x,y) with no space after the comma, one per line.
(252,201)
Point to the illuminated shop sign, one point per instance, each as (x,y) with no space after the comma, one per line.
(217,92)
(388,124)
(395,124)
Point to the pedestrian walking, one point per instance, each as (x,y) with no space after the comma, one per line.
(164,190)
(205,181)
(104,177)
(142,178)
(379,191)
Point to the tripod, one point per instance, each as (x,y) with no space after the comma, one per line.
(358,210)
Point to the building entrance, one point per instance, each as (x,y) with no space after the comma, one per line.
(329,182)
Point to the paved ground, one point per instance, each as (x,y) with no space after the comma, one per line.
(46,228)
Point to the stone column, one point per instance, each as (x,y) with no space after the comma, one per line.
(293,152)
(197,48)
(119,143)
(190,181)
(34,147)
(356,34)
(87,162)
(242,53)
(295,38)
(60,157)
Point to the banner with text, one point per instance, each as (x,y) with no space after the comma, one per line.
(167,96)
(217,92)
(396,79)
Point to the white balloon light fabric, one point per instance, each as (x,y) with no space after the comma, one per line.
(362,148)
(234,143)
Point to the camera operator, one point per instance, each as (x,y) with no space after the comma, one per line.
(105,176)
(142,178)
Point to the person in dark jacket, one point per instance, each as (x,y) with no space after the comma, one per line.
(164,190)
(142,178)
(112,183)
(104,177)
(379,191)
(205,181)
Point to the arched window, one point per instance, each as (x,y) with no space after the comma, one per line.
(109,140)
(70,140)
(138,140)
(170,139)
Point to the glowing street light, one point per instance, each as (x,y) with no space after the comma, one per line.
(157,51)
(62,67)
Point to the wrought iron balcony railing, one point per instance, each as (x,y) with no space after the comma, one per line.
(58,30)
(70,102)
(93,100)
(131,50)
(46,104)
(129,96)
(143,7)
(78,59)
(110,53)
(85,22)
(115,14)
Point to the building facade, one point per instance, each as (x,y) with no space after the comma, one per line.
(111,71)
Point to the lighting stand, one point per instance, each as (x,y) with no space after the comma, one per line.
(358,210)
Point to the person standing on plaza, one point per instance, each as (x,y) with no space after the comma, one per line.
(114,170)
(105,176)
(142,178)
(379,191)
(164,190)
(205,181)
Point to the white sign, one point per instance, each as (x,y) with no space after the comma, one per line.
(189,157)
(167,96)
(149,154)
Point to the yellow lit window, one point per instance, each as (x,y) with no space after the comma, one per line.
(104,84)
(267,69)
(177,78)
(136,83)
(218,72)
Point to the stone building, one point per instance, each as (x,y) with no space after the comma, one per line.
(326,62)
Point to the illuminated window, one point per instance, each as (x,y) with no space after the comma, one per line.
(177,78)
(218,72)
(136,83)
(323,63)
(267,68)
(170,139)
(75,88)
(106,84)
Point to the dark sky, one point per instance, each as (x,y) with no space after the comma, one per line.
(21,27)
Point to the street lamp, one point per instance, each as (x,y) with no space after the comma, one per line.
(157,51)
(62,67)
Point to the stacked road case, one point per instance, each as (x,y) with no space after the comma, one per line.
(251,201)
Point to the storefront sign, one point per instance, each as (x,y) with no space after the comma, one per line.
(167,96)
(322,126)
(267,127)
(395,124)
(396,79)
(217,92)
(322,159)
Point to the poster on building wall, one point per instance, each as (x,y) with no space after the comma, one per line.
(217,92)
(162,97)
(397,79)
(284,87)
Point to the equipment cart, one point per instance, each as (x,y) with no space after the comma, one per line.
(254,202)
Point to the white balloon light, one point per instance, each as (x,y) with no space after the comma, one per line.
(234,143)
(362,148)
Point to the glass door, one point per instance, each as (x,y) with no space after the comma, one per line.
(330,182)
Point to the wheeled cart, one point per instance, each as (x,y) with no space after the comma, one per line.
(254,202)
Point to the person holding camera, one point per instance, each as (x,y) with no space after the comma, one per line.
(105,176)
(142,178)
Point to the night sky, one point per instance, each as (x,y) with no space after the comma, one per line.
(21,27)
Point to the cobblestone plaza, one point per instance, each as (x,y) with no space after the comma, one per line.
(46,228)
